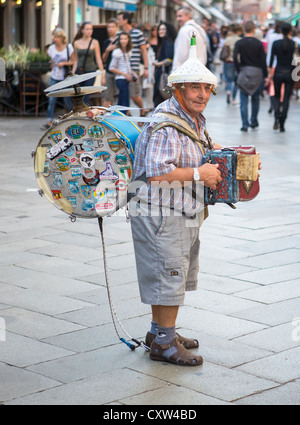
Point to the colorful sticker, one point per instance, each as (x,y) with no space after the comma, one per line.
(56,193)
(102,156)
(74,186)
(75,171)
(121,185)
(88,145)
(88,173)
(114,145)
(96,131)
(56,136)
(76,131)
(73,200)
(63,163)
(88,205)
(57,179)
(86,190)
(59,148)
(126,172)
(93,181)
(121,159)
(108,173)
(46,171)
(99,194)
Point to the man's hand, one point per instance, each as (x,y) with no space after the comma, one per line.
(210,175)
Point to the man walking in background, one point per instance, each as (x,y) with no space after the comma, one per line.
(182,43)
(250,62)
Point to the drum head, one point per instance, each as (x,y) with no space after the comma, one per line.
(84,167)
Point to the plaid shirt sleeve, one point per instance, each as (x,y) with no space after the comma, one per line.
(163,152)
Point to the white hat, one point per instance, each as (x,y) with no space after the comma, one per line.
(192,70)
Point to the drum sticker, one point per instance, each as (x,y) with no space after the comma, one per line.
(108,173)
(99,194)
(59,148)
(96,131)
(74,186)
(121,159)
(75,171)
(88,173)
(121,185)
(56,193)
(88,205)
(88,145)
(126,172)
(56,136)
(93,181)
(102,156)
(114,145)
(70,151)
(86,190)
(46,172)
(57,179)
(73,201)
(87,160)
(76,131)
(63,163)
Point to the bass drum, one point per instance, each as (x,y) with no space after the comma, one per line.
(84,166)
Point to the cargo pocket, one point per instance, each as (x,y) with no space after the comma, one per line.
(174,277)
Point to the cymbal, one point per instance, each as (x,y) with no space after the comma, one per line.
(78,91)
(73,80)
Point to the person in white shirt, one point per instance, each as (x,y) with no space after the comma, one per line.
(120,66)
(187,27)
(62,58)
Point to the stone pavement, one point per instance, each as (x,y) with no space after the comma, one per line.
(57,341)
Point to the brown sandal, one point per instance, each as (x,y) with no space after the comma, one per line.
(174,353)
(186,342)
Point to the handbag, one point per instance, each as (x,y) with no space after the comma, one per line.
(81,70)
(163,88)
(225,52)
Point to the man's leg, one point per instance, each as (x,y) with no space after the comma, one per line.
(164,315)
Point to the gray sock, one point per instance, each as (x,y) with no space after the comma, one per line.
(153,328)
(165,335)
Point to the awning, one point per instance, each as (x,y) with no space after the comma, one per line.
(219,15)
(199,8)
(121,5)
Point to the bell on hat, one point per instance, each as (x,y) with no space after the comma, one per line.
(192,70)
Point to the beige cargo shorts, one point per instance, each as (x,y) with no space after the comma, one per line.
(166,248)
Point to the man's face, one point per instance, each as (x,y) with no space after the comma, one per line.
(195,96)
(112,29)
(121,21)
(181,18)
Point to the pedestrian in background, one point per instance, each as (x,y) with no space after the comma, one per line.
(187,26)
(250,62)
(284,51)
(109,45)
(139,51)
(120,66)
(165,52)
(62,58)
(230,73)
(88,56)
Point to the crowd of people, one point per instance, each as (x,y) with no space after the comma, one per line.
(249,60)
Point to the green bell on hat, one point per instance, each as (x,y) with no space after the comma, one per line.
(192,70)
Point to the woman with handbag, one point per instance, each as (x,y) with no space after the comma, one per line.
(120,66)
(165,52)
(88,55)
(62,58)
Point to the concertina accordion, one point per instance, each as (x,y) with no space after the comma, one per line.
(239,171)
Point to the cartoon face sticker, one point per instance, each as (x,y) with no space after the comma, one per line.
(87,160)
(56,136)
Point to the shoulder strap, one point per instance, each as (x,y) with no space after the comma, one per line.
(182,126)
(86,54)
